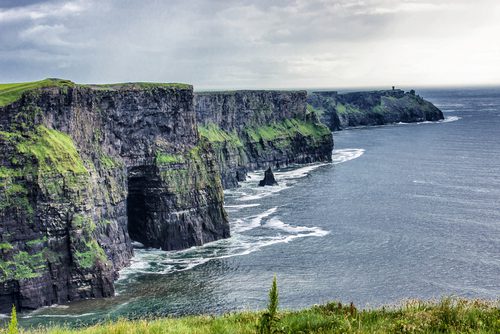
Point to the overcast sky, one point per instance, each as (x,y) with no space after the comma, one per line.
(215,44)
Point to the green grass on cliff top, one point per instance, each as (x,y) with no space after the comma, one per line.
(11,92)
(446,316)
(139,85)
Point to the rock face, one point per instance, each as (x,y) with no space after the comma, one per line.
(257,129)
(269,179)
(340,111)
(85,169)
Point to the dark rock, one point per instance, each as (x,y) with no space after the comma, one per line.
(82,171)
(250,130)
(340,111)
(269,179)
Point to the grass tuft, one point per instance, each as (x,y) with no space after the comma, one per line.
(53,150)
(167,159)
(446,316)
(288,128)
(215,134)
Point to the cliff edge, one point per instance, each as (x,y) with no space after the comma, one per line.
(257,129)
(86,168)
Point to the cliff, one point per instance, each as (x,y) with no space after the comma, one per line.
(340,111)
(257,129)
(85,169)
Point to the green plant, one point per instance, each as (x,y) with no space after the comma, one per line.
(53,151)
(472,316)
(5,246)
(166,159)
(13,322)
(269,319)
(215,134)
(311,110)
(91,254)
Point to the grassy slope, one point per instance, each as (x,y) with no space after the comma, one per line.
(214,134)
(447,316)
(288,128)
(140,85)
(11,92)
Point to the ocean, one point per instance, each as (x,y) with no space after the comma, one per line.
(404,211)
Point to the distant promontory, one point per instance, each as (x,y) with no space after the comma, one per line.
(342,110)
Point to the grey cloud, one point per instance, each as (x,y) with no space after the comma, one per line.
(231,44)
(20,3)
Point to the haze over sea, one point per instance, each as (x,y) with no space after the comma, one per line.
(404,211)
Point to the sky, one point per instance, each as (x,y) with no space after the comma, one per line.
(219,44)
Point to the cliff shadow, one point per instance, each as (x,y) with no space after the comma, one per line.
(142,202)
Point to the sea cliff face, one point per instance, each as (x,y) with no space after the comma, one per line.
(85,169)
(257,129)
(339,111)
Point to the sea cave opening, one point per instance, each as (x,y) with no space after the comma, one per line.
(138,203)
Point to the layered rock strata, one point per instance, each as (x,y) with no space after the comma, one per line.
(258,129)
(85,169)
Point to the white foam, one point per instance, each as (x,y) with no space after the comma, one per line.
(447,105)
(241,206)
(275,223)
(43,308)
(262,192)
(297,173)
(249,191)
(249,234)
(242,225)
(255,175)
(448,119)
(241,243)
(347,154)
(57,315)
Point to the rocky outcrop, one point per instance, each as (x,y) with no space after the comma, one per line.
(85,169)
(257,129)
(269,179)
(340,111)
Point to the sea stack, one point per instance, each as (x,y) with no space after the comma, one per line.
(269,179)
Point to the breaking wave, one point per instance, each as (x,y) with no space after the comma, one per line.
(347,154)
(245,240)
(262,227)
(448,119)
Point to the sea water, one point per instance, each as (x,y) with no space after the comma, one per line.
(403,211)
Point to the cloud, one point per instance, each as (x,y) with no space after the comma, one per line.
(391,7)
(251,43)
(37,10)
(19,3)
(45,35)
